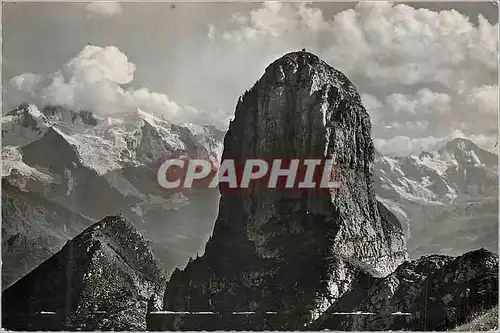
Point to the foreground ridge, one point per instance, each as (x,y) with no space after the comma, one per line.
(100,280)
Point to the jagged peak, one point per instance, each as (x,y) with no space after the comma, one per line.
(425,154)
(26,109)
(151,119)
(462,145)
(54,114)
(296,58)
(464,150)
(302,62)
(478,255)
(307,72)
(112,226)
(62,114)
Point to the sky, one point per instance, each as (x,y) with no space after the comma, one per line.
(426,72)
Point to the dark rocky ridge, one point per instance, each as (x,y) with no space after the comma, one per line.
(288,251)
(100,280)
(435,292)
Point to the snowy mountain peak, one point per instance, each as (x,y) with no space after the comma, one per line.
(26,110)
(461,144)
(27,123)
(109,143)
(59,114)
(460,167)
(466,152)
(23,124)
(425,154)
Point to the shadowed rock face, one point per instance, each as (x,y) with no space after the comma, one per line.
(100,280)
(432,293)
(294,252)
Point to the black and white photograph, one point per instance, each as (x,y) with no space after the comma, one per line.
(249,166)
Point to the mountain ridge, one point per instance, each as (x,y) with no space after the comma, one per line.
(108,267)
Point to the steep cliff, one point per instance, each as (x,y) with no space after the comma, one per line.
(294,252)
(100,280)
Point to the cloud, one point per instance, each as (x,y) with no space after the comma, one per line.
(26,82)
(423,101)
(94,79)
(373,106)
(484,99)
(383,41)
(421,73)
(211,32)
(404,145)
(402,45)
(104,8)
(419,125)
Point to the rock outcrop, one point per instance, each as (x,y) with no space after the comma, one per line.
(100,280)
(433,293)
(294,252)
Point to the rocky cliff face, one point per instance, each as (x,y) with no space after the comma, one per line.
(100,280)
(433,293)
(294,252)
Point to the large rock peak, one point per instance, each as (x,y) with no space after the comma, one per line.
(304,108)
(294,252)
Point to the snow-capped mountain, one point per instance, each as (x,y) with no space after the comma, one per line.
(27,123)
(106,144)
(447,199)
(99,166)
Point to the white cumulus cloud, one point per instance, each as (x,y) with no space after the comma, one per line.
(421,74)
(405,145)
(94,79)
(484,99)
(421,103)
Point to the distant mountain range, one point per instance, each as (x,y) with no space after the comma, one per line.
(447,200)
